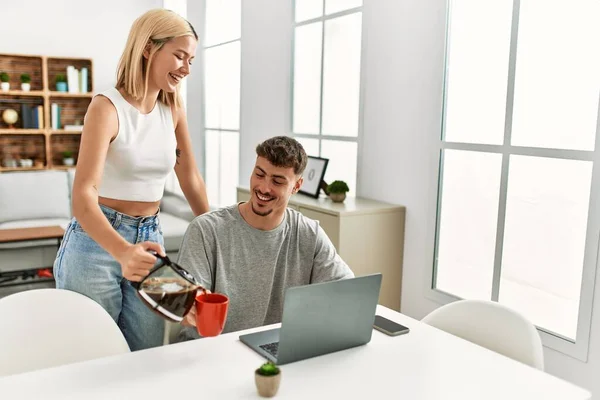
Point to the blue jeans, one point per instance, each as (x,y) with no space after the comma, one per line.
(83,266)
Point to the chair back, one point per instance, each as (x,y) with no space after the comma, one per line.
(493,326)
(50,327)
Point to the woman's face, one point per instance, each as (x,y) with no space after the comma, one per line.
(172,63)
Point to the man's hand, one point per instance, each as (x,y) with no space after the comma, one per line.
(190,318)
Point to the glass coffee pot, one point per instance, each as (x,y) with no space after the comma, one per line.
(169,290)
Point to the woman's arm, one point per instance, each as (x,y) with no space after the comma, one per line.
(189,177)
(100,126)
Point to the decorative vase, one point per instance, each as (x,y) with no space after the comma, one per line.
(69,161)
(61,86)
(26,162)
(267,386)
(25,87)
(337,197)
(5,86)
(9,163)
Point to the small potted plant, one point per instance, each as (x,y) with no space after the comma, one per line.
(4,82)
(25,82)
(337,191)
(61,83)
(267,379)
(68,158)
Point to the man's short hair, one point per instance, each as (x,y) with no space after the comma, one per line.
(283,151)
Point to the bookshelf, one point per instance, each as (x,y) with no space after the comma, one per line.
(44,145)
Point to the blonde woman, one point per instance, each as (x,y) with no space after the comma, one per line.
(133,136)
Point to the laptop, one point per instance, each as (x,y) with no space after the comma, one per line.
(319,319)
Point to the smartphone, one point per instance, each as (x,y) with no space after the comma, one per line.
(389,327)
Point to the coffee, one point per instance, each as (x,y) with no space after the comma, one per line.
(174,296)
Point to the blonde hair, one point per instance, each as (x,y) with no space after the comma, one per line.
(150,31)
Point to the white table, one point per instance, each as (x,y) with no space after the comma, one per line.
(424,364)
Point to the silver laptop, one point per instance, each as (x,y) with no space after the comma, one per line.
(320,319)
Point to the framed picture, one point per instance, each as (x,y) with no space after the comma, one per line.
(313,176)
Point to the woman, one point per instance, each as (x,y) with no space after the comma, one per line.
(133,136)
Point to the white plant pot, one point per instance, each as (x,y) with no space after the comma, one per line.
(5,86)
(25,87)
(68,161)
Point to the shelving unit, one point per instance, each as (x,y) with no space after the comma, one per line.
(43,146)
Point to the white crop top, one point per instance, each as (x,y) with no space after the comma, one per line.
(143,153)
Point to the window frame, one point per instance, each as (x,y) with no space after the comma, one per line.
(580,347)
(206,128)
(358,139)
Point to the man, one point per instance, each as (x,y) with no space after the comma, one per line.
(252,252)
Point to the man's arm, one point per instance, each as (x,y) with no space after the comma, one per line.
(194,257)
(327,264)
(194,254)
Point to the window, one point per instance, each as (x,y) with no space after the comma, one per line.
(222,41)
(326,83)
(180,7)
(517,217)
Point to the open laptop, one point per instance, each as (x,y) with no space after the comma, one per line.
(320,318)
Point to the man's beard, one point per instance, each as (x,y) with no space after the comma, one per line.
(261,213)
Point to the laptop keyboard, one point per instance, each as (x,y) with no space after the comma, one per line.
(270,348)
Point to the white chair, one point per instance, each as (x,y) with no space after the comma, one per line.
(493,326)
(49,327)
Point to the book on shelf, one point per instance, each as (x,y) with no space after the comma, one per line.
(77,80)
(83,82)
(40,117)
(32,117)
(72,79)
(55,116)
(73,128)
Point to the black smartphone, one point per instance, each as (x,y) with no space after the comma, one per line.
(389,327)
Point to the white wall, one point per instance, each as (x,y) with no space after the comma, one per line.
(404,58)
(266,71)
(72,28)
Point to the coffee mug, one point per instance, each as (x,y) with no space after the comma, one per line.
(211,313)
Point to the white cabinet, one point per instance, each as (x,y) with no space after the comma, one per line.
(368,235)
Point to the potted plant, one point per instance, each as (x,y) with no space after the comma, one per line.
(337,191)
(267,379)
(61,83)
(25,82)
(4,81)
(68,158)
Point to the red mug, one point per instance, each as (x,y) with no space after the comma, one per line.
(211,313)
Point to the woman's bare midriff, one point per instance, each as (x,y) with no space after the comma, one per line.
(132,208)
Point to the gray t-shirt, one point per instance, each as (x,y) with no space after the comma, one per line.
(254,267)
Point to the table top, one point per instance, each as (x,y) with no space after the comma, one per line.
(423,364)
(37,233)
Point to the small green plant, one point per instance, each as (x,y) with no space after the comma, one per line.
(338,187)
(67,154)
(4,77)
(268,369)
(60,78)
(25,78)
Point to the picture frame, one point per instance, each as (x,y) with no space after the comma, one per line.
(313,176)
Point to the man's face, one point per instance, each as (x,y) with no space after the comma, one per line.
(271,187)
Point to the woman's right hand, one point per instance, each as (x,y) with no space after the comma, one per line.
(136,261)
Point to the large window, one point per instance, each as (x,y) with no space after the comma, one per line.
(222,39)
(326,83)
(518,191)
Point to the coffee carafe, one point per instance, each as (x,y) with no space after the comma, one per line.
(169,290)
